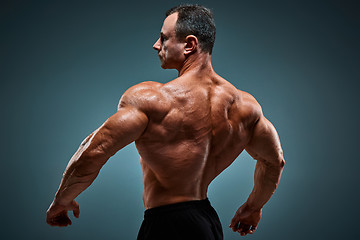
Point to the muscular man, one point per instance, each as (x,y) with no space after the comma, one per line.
(187,132)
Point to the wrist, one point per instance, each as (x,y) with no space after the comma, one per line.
(252,206)
(58,200)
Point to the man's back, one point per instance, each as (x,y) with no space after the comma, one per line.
(197,126)
(187,132)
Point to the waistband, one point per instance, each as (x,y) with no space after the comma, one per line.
(177,207)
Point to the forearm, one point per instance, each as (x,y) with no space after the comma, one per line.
(80,172)
(266,180)
(72,187)
(122,128)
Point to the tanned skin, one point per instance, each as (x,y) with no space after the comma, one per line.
(187,132)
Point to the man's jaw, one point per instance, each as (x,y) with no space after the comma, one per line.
(162,62)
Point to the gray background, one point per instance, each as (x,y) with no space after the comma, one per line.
(65,64)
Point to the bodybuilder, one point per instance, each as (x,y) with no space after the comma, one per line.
(187,132)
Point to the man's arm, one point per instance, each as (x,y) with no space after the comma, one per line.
(264,147)
(124,127)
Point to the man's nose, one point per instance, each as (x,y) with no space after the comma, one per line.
(156,45)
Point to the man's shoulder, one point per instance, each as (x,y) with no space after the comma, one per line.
(248,106)
(146,96)
(247,98)
(148,86)
(142,89)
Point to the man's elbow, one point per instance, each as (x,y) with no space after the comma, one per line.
(282,163)
(277,162)
(280,160)
(96,157)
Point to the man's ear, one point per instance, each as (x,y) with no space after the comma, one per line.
(191,44)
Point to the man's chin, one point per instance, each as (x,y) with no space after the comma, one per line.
(163,66)
(166,66)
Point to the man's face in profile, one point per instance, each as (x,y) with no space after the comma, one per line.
(170,50)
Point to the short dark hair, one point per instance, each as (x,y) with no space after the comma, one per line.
(197,20)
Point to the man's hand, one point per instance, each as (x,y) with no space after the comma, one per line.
(245,220)
(57,214)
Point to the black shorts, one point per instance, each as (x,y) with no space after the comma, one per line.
(182,221)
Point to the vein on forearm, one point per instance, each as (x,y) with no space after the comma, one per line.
(266,179)
(81,171)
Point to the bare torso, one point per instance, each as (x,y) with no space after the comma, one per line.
(187,132)
(197,126)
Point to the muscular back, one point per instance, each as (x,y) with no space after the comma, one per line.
(197,127)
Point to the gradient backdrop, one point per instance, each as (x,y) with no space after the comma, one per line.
(65,65)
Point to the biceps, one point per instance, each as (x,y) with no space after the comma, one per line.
(265,144)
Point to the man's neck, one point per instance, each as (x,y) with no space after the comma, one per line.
(200,63)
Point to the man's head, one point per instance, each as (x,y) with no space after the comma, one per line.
(186,29)
(195,20)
